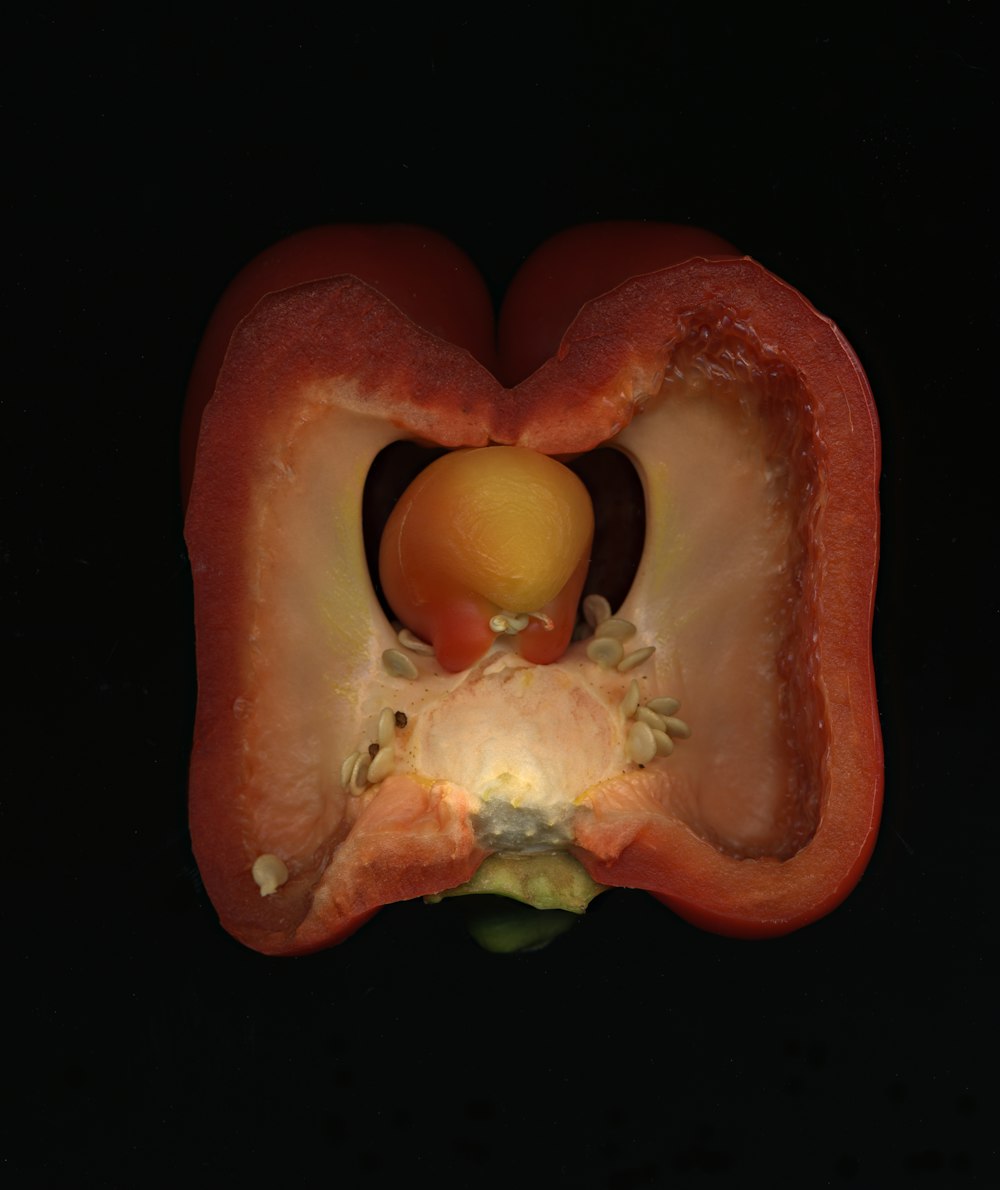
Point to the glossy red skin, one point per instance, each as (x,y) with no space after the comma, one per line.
(554,410)
(426,276)
(578,265)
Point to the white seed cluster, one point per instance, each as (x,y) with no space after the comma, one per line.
(654,727)
(607,645)
(361,769)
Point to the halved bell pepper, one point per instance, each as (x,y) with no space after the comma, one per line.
(709,734)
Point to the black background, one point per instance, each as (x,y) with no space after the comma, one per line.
(152,161)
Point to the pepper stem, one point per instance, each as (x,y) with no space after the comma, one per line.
(521,902)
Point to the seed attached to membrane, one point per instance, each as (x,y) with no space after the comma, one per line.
(361,769)
(347,769)
(596,610)
(616,627)
(630,703)
(398,664)
(412,642)
(269,873)
(509,623)
(664,744)
(641,743)
(382,766)
(605,651)
(653,731)
(605,647)
(645,715)
(635,658)
(359,774)
(664,706)
(386,727)
(653,725)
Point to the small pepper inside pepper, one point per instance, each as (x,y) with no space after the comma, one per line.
(487,542)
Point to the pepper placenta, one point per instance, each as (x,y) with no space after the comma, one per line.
(710,737)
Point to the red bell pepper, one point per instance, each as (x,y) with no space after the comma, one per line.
(340,765)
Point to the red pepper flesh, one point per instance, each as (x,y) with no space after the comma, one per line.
(753,430)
